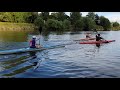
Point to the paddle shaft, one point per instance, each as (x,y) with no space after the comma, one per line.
(94,30)
(40,31)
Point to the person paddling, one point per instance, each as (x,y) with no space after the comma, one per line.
(33,43)
(88,35)
(99,38)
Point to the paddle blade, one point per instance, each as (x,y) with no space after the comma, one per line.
(40,30)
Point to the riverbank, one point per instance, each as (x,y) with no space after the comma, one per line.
(29,26)
(16,26)
(115,28)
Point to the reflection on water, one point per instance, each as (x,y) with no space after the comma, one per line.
(21,70)
(15,39)
(98,45)
(14,62)
(18,65)
(11,36)
(72,61)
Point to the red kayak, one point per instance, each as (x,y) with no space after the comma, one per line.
(85,39)
(97,42)
(88,39)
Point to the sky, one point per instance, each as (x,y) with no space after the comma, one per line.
(112,16)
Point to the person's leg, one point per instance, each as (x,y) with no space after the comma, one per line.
(38,46)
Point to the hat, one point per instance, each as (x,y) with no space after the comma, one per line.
(34,37)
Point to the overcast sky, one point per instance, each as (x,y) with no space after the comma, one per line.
(112,16)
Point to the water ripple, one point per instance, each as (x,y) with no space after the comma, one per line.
(72,61)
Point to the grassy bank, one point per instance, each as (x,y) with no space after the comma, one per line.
(28,26)
(115,28)
(16,26)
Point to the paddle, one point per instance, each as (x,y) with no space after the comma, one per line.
(52,47)
(94,30)
(40,33)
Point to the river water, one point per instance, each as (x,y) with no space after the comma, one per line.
(72,61)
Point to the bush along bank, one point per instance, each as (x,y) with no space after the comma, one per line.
(17,26)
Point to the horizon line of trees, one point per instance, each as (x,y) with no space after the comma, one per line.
(59,21)
(18,17)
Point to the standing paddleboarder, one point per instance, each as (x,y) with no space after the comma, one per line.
(34,39)
(33,42)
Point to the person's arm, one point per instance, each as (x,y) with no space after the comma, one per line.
(96,36)
(102,38)
(37,39)
(30,42)
(38,44)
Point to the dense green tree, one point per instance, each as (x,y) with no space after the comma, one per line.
(1,16)
(91,15)
(89,23)
(67,17)
(74,16)
(30,17)
(105,23)
(21,17)
(54,25)
(39,22)
(97,19)
(66,24)
(61,16)
(45,15)
(59,20)
(6,17)
(79,24)
(115,24)
(53,16)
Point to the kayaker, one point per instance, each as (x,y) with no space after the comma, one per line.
(98,37)
(33,43)
(88,35)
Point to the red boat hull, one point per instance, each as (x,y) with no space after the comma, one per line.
(88,39)
(97,42)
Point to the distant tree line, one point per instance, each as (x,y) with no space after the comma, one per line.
(59,21)
(76,22)
(18,17)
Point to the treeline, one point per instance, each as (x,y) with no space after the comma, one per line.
(18,17)
(17,20)
(76,22)
(59,21)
